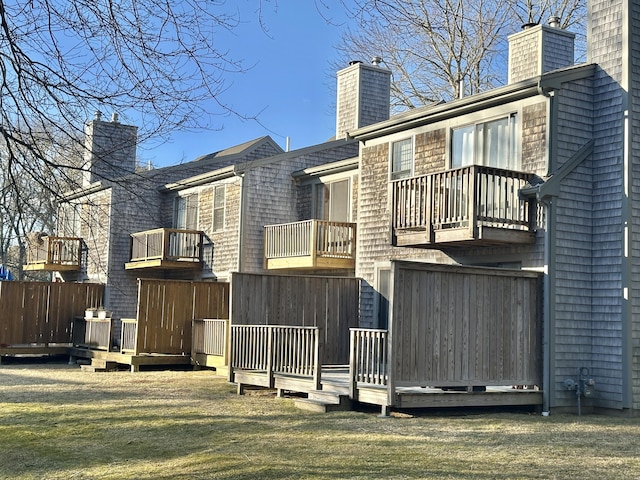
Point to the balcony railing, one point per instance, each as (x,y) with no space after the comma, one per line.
(310,244)
(472,204)
(54,253)
(166,248)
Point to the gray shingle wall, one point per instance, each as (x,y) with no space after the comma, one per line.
(635,208)
(271,197)
(374,217)
(607,49)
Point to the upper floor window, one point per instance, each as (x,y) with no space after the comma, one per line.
(186,212)
(219,193)
(333,201)
(69,220)
(493,144)
(401,159)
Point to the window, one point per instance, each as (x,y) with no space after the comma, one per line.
(186,212)
(493,144)
(218,207)
(332,201)
(401,159)
(69,220)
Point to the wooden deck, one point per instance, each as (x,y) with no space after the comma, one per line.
(335,381)
(166,248)
(310,244)
(133,361)
(469,206)
(53,253)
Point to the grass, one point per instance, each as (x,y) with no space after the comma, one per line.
(57,422)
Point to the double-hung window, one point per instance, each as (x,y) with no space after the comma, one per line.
(218,207)
(493,143)
(401,159)
(186,212)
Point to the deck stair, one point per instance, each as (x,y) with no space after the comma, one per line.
(324,401)
(99,365)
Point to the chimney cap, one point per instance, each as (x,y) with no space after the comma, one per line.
(355,62)
(554,21)
(377,60)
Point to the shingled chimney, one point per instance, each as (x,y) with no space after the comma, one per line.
(110,149)
(364,96)
(538,49)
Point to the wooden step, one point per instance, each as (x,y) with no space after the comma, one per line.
(99,365)
(323,402)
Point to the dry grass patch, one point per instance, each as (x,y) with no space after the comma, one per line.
(57,422)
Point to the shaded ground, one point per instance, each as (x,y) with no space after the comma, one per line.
(57,422)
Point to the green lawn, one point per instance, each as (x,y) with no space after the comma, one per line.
(57,422)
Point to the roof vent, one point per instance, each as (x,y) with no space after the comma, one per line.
(376,61)
(554,22)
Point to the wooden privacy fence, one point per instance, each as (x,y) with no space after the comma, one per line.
(329,303)
(464,326)
(166,309)
(43,312)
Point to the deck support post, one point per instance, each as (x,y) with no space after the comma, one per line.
(280,393)
(385,411)
(240,389)
(72,360)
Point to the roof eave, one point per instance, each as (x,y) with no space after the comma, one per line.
(527,88)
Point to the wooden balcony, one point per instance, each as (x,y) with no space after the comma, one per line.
(470,206)
(54,254)
(310,244)
(166,248)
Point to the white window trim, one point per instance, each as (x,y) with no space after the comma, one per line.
(223,208)
(413,157)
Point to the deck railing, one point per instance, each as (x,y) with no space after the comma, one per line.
(93,333)
(275,349)
(369,357)
(63,251)
(464,197)
(167,244)
(210,336)
(310,238)
(129,336)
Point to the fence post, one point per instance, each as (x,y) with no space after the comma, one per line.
(317,360)
(472,203)
(313,241)
(353,361)
(270,353)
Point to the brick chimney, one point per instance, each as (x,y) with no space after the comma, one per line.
(539,49)
(110,149)
(364,96)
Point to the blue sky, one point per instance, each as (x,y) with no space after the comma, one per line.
(290,84)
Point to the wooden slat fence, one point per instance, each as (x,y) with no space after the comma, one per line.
(43,312)
(210,336)
(464,326)
(274,349)
(329,303)
(369,356)
(166,309)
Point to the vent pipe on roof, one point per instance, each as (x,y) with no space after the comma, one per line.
(554,22)
(376,61)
